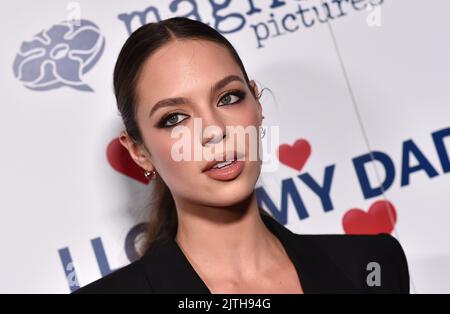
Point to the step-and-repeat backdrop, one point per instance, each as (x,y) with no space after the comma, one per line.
(359,88)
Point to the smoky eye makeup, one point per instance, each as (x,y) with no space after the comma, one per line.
(167,118)
(240,94)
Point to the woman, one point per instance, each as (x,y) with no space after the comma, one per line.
(207,233)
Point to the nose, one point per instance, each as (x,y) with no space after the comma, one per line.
(214,129)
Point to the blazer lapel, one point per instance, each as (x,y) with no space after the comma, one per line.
(317,272)
(169,271)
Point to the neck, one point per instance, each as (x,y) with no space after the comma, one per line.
(233,238)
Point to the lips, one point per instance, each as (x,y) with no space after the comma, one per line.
(222,158)
(226,173)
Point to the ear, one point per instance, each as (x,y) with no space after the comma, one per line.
(137,151)
(256,92)
(254,88)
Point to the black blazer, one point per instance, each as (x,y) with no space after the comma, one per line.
(324,264)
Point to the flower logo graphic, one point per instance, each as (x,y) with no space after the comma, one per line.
(59,56)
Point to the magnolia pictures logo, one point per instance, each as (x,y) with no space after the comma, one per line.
(59,56)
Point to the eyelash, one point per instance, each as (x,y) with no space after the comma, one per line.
(162,123)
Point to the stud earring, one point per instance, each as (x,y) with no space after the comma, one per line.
(262,131)
(149,174)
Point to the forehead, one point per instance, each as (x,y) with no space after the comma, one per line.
(184,68)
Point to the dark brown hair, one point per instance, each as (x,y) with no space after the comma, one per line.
(137,49)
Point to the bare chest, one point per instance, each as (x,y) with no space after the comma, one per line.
(283,280)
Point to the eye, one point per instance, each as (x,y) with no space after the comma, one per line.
(233,97)
(171,119)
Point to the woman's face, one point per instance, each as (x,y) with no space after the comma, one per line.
(189,69)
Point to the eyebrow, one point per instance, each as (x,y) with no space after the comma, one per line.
(182,100)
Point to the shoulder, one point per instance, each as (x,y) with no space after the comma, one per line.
(379,245)
(365,259)
(128,279)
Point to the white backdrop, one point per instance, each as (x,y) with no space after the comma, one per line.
(360,92)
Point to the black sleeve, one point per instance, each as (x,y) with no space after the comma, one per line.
(399,259)
(352,254)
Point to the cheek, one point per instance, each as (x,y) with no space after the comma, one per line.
(247,114)
(247,118)
(176,174)
(162,157)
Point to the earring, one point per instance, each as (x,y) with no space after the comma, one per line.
(149,174)
(262,131)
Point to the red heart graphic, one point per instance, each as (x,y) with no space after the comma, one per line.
(380,218)
(121,161)
(295,156)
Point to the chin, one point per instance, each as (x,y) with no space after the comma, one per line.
(230,192)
